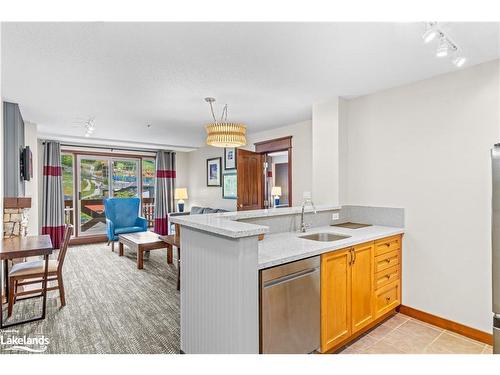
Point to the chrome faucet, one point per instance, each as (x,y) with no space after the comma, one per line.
(303,225)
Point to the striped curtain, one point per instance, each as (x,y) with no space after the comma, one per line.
(53,198)
(164,191)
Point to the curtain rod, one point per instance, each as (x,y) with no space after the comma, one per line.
(119,148)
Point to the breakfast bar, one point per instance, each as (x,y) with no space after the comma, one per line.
(221,263)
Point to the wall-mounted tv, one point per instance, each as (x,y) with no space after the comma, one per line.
(26,164)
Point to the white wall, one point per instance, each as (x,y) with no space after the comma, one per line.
(301,154)
(425,147)
(325,152)
(199,193)
(31,187)
(343,150)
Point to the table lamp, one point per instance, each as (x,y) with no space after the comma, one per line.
(276,192)
(180,195)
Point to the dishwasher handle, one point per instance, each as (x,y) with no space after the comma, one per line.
(290,277)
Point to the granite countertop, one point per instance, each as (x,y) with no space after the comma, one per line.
(223,226)
(281,248)
(227,224)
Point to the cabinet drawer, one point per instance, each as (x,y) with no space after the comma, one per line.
(386,276)
(387,298)
(385,261)
(388,244)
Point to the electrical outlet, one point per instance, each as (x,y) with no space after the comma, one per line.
(335,216)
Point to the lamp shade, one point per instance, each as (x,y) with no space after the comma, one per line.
(226,134)
(276,191)
(181,193)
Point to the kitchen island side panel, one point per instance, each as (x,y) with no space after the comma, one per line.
(219,293)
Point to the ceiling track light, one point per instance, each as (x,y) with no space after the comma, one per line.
(89,126)
(446,46)
(430,33)
(443,47)
(459,61)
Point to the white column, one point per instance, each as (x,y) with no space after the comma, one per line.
(325,152)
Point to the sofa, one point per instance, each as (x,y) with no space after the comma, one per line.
(196,210)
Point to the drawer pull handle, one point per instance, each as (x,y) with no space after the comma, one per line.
(388,244)
(388,299)
(388,276)
(388,260)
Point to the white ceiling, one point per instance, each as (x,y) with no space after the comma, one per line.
(128,75)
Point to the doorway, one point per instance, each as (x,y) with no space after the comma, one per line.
(265,176)
(91,176)
(277,167)
(99,178)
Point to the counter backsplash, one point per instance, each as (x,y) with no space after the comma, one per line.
(387,216)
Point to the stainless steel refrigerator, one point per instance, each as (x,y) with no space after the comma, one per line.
(495,237)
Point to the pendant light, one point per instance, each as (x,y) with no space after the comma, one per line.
(223,133)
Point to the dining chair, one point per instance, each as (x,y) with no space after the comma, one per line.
(32,272)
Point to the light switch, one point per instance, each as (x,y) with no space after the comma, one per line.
(335,216)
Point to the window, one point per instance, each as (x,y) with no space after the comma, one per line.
(90,178)
(125,176)
(148,190)
(67,161)
(148,178)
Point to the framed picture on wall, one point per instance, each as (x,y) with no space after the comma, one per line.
(229,186)
(230,158)
(214,172)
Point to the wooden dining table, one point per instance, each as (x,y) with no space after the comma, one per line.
(21,247)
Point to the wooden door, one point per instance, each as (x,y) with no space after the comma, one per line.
(335,298)
(362,279)
(250,180)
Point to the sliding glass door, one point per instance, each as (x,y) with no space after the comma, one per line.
(98,178)
(125,178)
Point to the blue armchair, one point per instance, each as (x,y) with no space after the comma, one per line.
(122,216)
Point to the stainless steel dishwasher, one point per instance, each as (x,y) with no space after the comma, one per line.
(290,307)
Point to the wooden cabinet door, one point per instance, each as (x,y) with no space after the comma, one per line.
(250,167)
(387,298)
(335,298)
(362,279)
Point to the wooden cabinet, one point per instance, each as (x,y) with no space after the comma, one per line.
(387,260)
(362,286)
(346,293)
(387,275)
(387,244)
(359,285)
(335,298)
(387,298)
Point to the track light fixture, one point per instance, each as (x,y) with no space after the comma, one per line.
(446,45)
(442,50)
(89,127)
(459,61)
(430,33)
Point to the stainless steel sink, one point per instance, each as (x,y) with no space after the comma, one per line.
(324,237)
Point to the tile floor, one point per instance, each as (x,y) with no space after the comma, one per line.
(404,335)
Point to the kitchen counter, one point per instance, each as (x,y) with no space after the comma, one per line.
(281,248)
(227,224)
(221,260)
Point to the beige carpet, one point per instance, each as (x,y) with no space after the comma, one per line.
(111,306)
